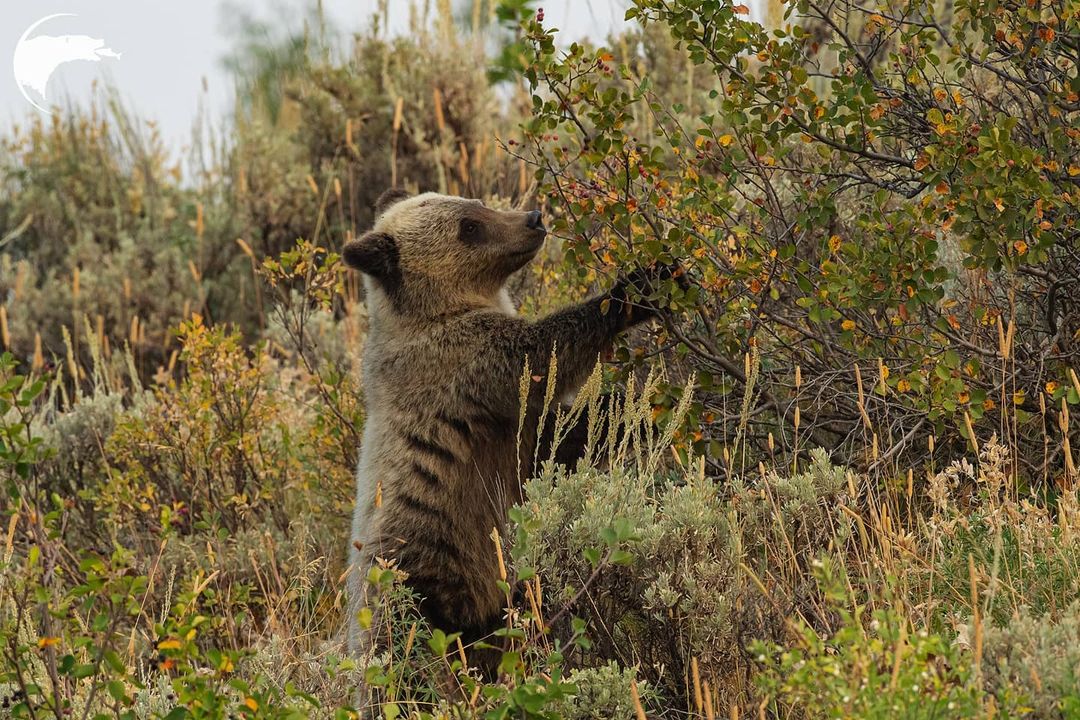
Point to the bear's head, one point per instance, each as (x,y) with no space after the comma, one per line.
(432,254)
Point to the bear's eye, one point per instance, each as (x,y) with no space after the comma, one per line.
(469,229)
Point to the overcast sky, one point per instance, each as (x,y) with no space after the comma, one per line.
(168,48)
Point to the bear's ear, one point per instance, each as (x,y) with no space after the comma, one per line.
(389,198)
(375,254)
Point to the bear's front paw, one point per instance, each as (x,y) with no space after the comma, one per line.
(639,293)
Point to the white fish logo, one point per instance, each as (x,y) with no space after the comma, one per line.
(37,58)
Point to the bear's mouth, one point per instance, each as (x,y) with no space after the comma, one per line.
(534,241)
(516,259)
(528,251)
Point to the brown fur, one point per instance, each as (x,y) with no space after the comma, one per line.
(441,368)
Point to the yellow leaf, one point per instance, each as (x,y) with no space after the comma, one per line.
(999,205)
(169,645)
(48,642)
(252,703)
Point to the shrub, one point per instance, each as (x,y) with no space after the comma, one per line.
(1037,657)
(883,673)
(877,203)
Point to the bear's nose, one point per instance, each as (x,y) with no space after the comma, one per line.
(535,221)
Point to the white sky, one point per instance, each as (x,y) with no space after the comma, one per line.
(169,47)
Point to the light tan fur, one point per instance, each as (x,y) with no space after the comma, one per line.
(441,370)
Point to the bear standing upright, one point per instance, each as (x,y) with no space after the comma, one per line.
(441,370)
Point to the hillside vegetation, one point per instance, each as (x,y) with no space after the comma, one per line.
(848,482)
